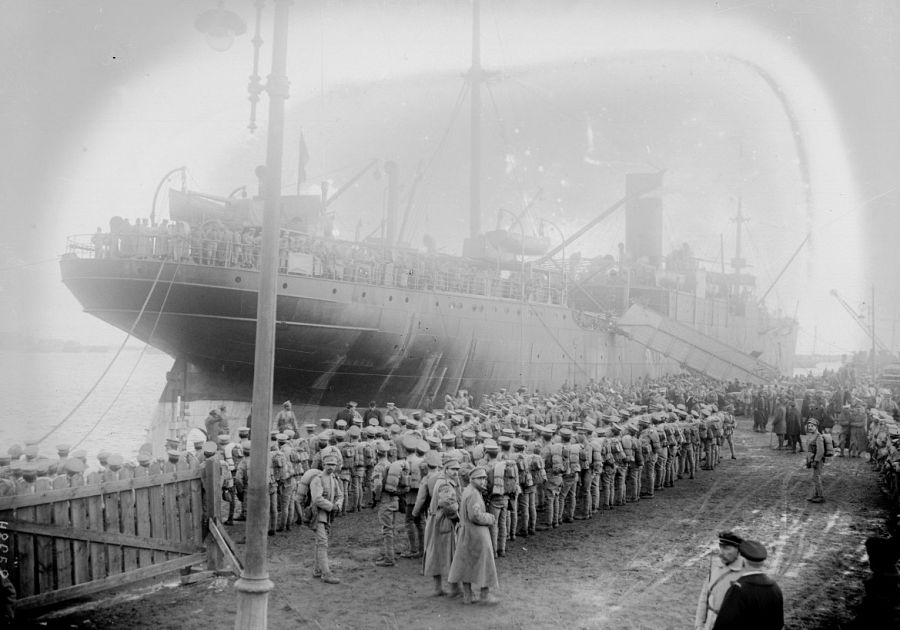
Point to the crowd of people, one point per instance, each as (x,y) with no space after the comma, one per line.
(466,479)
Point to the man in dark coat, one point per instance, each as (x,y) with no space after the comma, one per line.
(754,601)
(793,427)
(880,607)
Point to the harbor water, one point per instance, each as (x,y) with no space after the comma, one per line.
(44,387)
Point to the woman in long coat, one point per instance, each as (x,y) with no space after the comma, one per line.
(440,529)
(473,561)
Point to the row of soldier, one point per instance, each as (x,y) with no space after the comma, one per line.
(567,471)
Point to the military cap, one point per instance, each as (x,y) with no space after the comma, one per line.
(357,421)
(730,538)
(175,455)
(695,413)
(14,451)
(388,421)
(28,470)
(246,430)
(245,446)
(565,432)
(508,432)
(330,458)
(456,419)
(340,424)
(382,446)
(80,454)
(324,421)
(115,462)
(74,466)
(518,444)
(198,443)
(526,431)
(354,431)
(42,466)
(813,421)
(224,438)
(340,435)
(477,472)
(432,459)
(286,403)
(434,440)
(210,448)
(752,550)
(396,428)
(450,461)
(31,451)
(289,433)
(484,435)
(491,445)
(504,440)
(281,437)
(409,442)
(422,447)
(468,435)
(551,428)
(63,449)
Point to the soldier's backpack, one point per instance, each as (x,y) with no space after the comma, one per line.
(536,466)
(369,454)
(701,429)
(597,454)
(559,459)
(526,478)
(348,453)
(628,447)
(415,472)
(396,478)
(715,429)
(586,456)
(502,478)
(279,465)
(303,496)
(574,451)
(828,439)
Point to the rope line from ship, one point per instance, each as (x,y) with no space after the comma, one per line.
(138,361)
(112,361)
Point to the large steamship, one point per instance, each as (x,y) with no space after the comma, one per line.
(376,320)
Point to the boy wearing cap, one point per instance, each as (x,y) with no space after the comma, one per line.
(815,458)
(724,569)
(326,495)
(754,601)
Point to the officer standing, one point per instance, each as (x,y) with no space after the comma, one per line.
(815,459)
(326,494)
(724,569)
(754,601)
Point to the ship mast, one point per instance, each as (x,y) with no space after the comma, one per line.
(475,76)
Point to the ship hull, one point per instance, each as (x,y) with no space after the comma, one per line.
(336,339)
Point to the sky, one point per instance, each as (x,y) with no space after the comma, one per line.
(787,108)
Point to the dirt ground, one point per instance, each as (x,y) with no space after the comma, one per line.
(637,566)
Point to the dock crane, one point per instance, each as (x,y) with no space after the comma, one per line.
(869,330)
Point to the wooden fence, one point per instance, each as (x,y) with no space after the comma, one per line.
(73,536)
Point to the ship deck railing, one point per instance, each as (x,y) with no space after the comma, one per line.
(431,273)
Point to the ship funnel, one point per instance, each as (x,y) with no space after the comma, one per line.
(643,218)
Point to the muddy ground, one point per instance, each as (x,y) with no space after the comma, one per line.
(637,566)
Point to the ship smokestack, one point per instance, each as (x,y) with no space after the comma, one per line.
(643,219)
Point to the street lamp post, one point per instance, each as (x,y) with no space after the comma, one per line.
(254,584)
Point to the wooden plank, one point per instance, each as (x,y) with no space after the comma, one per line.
(80,558)
(8,553)
(111,524)
(157,512)
(196,506)
(103,537)
(98,487)
(170,503)
(226,545)
(183,492)
(95,522)
(25,558)
(142,513)
(129,527)
(62,547)
(44,544)
(116,581)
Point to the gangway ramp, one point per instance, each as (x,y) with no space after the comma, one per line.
(692,348)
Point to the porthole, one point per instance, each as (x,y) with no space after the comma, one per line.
(406,300)
(334,291)
(237,279)
(474,308)
(390,298)
(364,294)
(284,285)
(437,303)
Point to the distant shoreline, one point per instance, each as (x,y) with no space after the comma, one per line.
(19,343)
